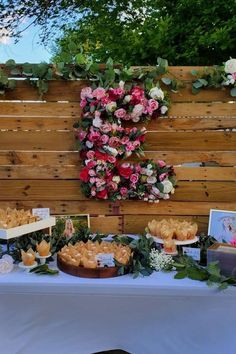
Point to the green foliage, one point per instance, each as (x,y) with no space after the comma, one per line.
(5,82)
(44,269)
(187,268)
(187,32)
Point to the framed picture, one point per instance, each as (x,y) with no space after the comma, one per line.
(222,225)
(73,222)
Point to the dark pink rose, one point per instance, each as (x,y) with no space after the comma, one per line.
(99,93)
(114,142)
(161,163)
(134,178)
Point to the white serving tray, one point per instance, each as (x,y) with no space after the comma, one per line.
(18,231)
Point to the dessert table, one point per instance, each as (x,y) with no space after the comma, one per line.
(147,315)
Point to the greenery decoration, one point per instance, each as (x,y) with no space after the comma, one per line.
(216,77)
(44,269)
(188,268)
(84,67)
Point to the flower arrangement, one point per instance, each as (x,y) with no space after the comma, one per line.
(112,139)
(160,261)
(119,104)
(103,178)
(216,76)
(103,142)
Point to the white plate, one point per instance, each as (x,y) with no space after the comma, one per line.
(22,266)
(171,253)
(43,257)
(178,243)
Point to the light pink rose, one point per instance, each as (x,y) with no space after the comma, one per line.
(138,168)
(234,76)
(113,186)
(136,144)
(105,128)
(137,111)
(86,92)
(83,103)
(111,159)
(161,163)
(134,178)
(104,139)
(114,142)
(162,176)
(124,140)
(153,104)
(90,154)
(99,93)
(92,173)
(130,147)
(125,165)
(120,113)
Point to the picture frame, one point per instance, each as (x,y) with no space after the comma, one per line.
(72,222)
(222,226)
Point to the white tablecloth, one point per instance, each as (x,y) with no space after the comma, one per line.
(151,315)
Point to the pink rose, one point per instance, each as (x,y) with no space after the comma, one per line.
(92,173)
(120,113)
(114,142)
(83,103)
(93,136)
(233,242)
(90,154)
(138,168)
(99,93)
(137,111)
(113,186)
(91,164)
(234,76)
(92,180)
(124,140)
(137,92)
(136,144)
(86,92)
(111,159)
(153,104)
(134,178)
(118,91)
(161,163)
(104,139)
(82,135)
(105,128)
(129,147)
(162,176)
(123,191)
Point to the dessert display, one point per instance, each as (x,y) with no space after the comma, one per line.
(84,259)
(28,258)
(43,248)
(180,230)
(169,246)
(10,218)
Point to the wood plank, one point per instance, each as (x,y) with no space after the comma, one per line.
(39,109)
(72,172)
(205,173)
(91,207)
(132,224)
(189,109)
(35,123)
(161,124)
(180,72)
(70,91)
(70,190)
(170,207)
(64,141)
(54,158)
(106,224)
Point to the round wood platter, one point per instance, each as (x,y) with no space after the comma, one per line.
(82,272)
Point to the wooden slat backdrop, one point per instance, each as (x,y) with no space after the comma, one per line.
(39,165)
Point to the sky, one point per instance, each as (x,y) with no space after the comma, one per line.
(26,50)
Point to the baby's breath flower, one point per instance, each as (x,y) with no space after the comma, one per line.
(160,261)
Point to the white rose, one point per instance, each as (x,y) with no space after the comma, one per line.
(89,144)
(127,99)
(116,179)
(113,151)
(168,186)
(8,258)
(230,66)
(156,93)
(151,180)
(111,107)
(149,172)
(164,109)
(5,266)
(136,119)
(97,122)
(138,110)
(121,84)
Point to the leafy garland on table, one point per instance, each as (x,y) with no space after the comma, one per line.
(146,256)
(216,77)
